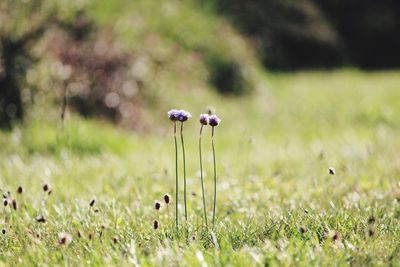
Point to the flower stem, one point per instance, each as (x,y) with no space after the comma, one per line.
(202,180)
(184,173)
(176,183)
(215,177)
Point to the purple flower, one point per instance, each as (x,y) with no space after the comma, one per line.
(173,114)
(183,115)
(213,120)
(204,119)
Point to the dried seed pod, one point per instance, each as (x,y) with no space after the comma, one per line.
(64,239)
(92,202)
(45,187)
(157,205)
(167,198)
(155,224)
(40,219)
(20,190)
(14,204)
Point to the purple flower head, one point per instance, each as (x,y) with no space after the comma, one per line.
(204,119)
(173,114)
(213,120)
(183,115)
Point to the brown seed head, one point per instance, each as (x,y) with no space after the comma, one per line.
(45,187)
(167,198)
(20,190)
(92,202)
(14,204)
(5,202)
(157,205)
(336,236)
(40,219)
(371,219)
(155,224)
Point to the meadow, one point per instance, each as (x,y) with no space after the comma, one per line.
(278,205)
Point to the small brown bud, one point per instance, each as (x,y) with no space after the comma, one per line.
(3,231)
(20,190)
(115,240)
(167,198)
(64,239)
(14,204)
(371,219)
(92,202)
(40,219)
(157,205)
(336,236)
(155,225)
(46,187)
(302,229)
(5,202)
(331,171)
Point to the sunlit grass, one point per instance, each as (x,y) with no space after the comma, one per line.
(277,204)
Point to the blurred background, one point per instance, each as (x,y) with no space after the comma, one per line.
(128,61)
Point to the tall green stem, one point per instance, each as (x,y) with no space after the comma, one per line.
(215,177)
(184,173)
(202,180)
(176,183)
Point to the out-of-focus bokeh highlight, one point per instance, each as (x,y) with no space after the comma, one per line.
(121,60)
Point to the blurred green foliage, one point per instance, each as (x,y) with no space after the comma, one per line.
(116,59)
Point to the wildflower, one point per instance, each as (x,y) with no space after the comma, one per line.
(183,115)
(204,118)
(64,239)
(167,199)
(157,205)
(173,114)
(214,120)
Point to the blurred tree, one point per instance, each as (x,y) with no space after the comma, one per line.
(289,34)
(292,34)
(17,34)
(369,29)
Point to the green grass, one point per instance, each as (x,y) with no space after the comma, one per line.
(274,149)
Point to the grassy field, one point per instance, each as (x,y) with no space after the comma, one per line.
(277,204)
